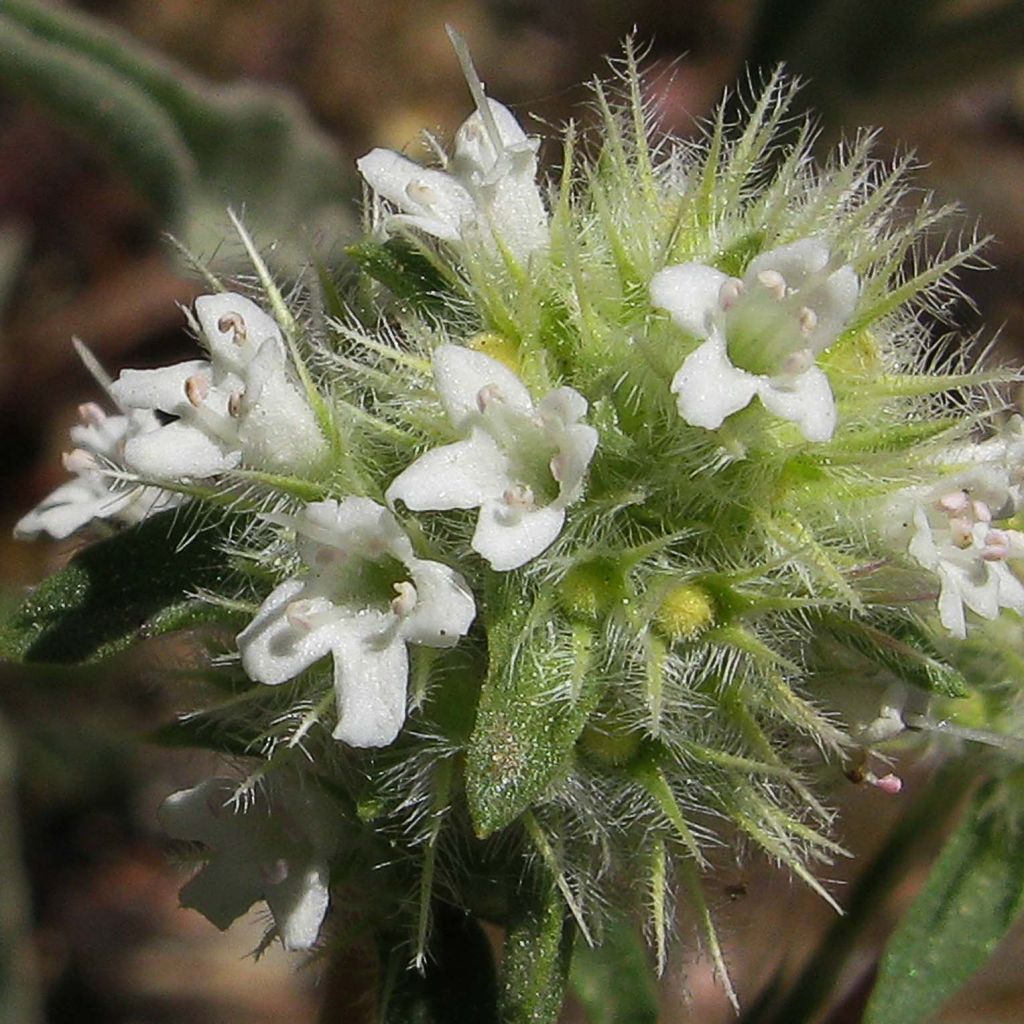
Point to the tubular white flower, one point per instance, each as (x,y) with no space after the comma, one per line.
(276,847)
(365,596)
(95,491)
(760,335)
(488,191)
(241,406)
(952,534)
(521,465)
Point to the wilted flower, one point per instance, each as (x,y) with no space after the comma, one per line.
(96,490)
(240,407)
(366,595)
(488,189)
(521,465)
(274,846)
(761,334)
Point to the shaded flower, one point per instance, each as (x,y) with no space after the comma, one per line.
(364,597)
(761,334)
(487,190)
(96,490)
(240,406)
(521,465)
(952,534)
(275,846)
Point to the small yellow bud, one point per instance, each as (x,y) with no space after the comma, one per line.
(498,347)
(685,611)
(589,590)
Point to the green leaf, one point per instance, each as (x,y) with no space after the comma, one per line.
(540,690)
(613,981)
(973,895)
(457,983)
(903,647)
(405,271)
(537,957)
(135,585)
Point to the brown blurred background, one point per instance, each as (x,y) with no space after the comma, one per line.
(82,252)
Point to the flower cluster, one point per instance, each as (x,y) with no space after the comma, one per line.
(531,582)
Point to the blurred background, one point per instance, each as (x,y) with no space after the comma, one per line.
(123,120)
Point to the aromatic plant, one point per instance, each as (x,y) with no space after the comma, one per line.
(590,529)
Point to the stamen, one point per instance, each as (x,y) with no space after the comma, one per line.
(78,460)
(808,320)
(961,532)
(235,404)
(404,603)
(519,496)
(774,282)
(730,292)
(997,546)
(798,362)
(420,193)
(300,615)
(233,322)
(558,466)
(197,387)
(275,873)
(91,414)
(890,784)
(956,503)
(486,395)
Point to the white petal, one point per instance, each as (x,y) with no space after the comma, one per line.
(709,388)
(162,389)
(1011,590)
(70,507)
(475,150)
(834,303)
(273,650)
(951,606)
(435,199)
(508,541)
(569,466)
(460,475)
(235,329)
(564,405)
(276,426)
(176,451)
(371,667)
(354,526)
(796,262)
(805,400)
(689,292)
(460,374)
(299,904)
(445,608)
(922,544)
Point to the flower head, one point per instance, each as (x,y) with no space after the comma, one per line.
(274,847)
(761,334)
(520,464)
(365,596)
(952,534)
(95,492)
(240,406)
(488,190)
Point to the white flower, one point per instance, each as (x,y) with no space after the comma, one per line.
(520,465)
(95,491)
(365,596)
(952,534)
(275,846)
(761,335)
(488,189)
(241,406)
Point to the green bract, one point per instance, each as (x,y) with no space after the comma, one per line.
(625,508)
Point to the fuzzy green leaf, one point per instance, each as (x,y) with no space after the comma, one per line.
(535,701)
(405,271)
(457,984)
(904,648)
(614,981)
(973,895)
(135,585)
(535,966)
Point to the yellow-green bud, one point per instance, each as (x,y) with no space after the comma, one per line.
(685,611)
(591,589)
(498,347)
